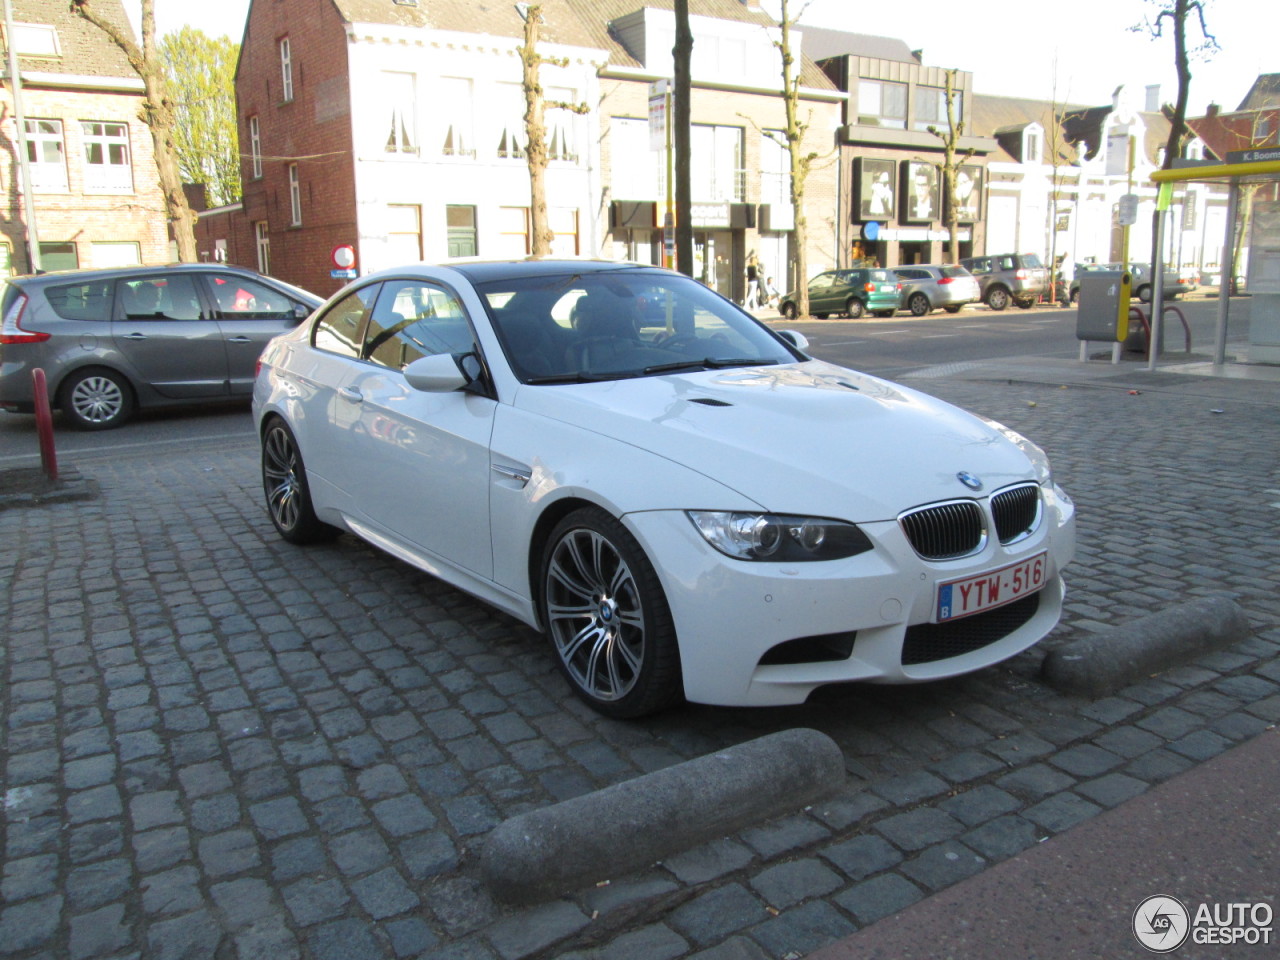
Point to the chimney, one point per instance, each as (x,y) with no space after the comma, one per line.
(919,55)
(1153,98)
(1212,110)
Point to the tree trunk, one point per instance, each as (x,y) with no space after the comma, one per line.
(683,53)
(540,233)
(799,163)
(159,116)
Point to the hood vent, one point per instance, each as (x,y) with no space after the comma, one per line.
(708,402)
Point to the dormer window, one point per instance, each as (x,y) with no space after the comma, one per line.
(1031,145)
(36,40)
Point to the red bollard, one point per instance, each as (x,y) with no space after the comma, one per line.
(44,425)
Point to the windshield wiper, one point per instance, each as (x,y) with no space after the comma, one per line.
(713,363)
(578,376)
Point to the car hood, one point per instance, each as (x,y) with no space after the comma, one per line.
(809,438)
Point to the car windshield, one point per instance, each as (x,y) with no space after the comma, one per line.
(609,325)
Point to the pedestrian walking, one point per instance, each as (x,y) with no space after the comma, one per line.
(753,281)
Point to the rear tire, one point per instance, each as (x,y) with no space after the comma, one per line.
(1025,304)
(953,308)
(284,481)
(1144,293)
(998,298)
(96,399)
(789,311)
(919,305)
(854,309)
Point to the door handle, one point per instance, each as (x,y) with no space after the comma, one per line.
(239,340)
(134,336)
(351,393)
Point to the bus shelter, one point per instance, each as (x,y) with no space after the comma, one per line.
(1243,167)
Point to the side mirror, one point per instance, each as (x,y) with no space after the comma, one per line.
(795,338)
(438,373)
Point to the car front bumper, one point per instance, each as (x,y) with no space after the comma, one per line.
(730,613)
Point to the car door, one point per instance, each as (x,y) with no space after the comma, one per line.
(171,341)
(421,459)
(821,294)
(249,313)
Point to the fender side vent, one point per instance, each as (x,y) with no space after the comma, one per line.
(708,402)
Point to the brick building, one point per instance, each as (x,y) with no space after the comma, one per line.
(96,193)
(397,128)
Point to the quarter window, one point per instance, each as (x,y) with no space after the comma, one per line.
(413,319)
(106,157)
(342,326)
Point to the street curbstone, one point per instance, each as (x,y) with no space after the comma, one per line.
(1099,665)
(631,825)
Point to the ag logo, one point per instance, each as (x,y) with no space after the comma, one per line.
(1161,924)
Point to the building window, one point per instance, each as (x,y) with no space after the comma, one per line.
(286,68)
(295,196)
(931,108)
(1031,147)
(404,233)
(115,253)
(36,40)
(716,173)
(634,167)
(456,112)
(399,125)
(59,255)
(264,246)
(45,155)
(882,104)
(461,224)
(255,148)
(513,232)
(562,144)
(510,115)
(564,229)
(106,158)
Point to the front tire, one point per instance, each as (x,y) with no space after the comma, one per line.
(854,309)
(789,311)
(953,308)
(1144,293)
(284,481)
(608,618)
(919,305)
(998,298)
(96,399)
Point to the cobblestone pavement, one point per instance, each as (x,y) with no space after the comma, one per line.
(218,745)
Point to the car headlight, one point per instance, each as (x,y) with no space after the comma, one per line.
(778,538)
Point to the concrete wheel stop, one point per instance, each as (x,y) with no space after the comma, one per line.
(628,826)
(1099,665)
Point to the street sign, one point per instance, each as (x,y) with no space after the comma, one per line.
(1253,156)
(658,115)
(343,257)
(343,274)
(1128,210)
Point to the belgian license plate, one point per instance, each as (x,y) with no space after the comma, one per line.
(995,588)
(888,288)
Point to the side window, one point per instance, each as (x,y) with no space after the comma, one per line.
(414,319)
(340,328)
(81,301)
(822,281)
(1006,263)
(160,298)
(240,298)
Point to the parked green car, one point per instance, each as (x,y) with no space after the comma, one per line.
(848,292)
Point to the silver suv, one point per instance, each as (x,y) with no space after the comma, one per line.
(110,341)
(1009,278)
(926,286)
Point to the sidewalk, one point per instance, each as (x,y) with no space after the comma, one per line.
(1210,835)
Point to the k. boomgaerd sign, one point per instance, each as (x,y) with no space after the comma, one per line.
(1256,155)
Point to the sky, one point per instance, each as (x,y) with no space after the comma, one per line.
(1012,49)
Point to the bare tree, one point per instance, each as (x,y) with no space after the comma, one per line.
(951,157)
(159,113)
(541,234)
(1055,141)
(800,160)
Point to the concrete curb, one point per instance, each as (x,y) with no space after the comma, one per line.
(631,825)
(1099,665)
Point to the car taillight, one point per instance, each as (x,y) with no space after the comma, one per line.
(257,368)
(869,287)
(945,279)
(11,330)
(1023,274)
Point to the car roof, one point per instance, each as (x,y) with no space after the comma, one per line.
(480,271)
(114,273)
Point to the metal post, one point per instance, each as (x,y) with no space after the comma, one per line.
(1157,293)
(28,197)
(1228,273)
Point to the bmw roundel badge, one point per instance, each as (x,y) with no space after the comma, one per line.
(969,480)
